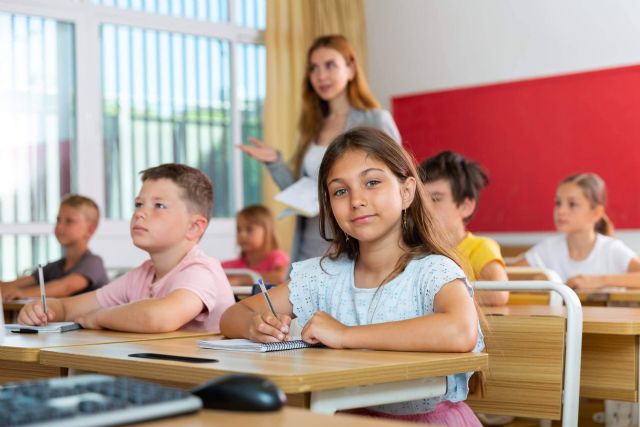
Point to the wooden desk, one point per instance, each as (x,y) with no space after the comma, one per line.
(11,310)
(20,353)
(324,379)
(610,348)
(287,417)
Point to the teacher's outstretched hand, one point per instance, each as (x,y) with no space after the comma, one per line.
(259,150)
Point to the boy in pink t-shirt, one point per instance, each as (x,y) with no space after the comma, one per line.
(179,287)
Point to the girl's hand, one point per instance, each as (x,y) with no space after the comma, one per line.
(89,320)
(259,151)
(265,327)
(586,282)
(322,328)
(33,314)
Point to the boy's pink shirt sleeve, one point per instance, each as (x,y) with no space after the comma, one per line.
(208,282)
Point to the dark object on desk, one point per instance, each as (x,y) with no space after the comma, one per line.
(241,393)
(24,331)
(160,356)
(90,400)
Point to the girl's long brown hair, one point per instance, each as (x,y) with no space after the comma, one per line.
(314,109)
(420,236)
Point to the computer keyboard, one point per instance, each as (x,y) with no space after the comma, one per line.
(90,400)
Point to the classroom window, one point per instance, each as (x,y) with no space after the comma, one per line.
(166,98)
(94,91)
(21,253)
(251,93)
(38,121)
(205,10)
(251,13)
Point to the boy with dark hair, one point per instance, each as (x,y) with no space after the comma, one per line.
(79,270)
(179,287)
(453,184)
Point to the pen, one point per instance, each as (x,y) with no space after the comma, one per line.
(24,331)
(43,296)
(263,289)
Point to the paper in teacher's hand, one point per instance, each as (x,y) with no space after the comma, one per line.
(302,197)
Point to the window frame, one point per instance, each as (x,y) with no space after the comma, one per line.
(88,162)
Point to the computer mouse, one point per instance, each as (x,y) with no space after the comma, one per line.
(238,392)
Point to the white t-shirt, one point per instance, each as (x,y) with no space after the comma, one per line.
(608,256)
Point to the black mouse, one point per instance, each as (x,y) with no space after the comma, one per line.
(239,392)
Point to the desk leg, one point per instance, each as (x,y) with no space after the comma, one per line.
(330,401)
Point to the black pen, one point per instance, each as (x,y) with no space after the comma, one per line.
(25,331)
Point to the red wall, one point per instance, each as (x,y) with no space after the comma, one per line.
(529,135)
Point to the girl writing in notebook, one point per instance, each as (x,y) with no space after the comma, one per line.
(584,255)
(335,98)
(387,282)
(260,250)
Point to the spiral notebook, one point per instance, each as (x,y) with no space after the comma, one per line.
(246,345)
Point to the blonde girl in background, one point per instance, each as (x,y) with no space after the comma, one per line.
(259,246)
(585,254)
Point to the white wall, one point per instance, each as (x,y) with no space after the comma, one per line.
(429,45)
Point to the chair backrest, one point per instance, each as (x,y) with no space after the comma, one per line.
(534,361)
(537,298)
(243,291)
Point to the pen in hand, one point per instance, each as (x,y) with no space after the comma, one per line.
(263,289)
(43,296)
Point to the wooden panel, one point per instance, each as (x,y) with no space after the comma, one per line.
(609,367)
(295,371)
(526,356)
(11,371)
(596,320)
(26,347)
(287,417)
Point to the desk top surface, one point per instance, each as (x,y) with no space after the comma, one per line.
(27,347)
(287,417)
(596,320)
(295,371)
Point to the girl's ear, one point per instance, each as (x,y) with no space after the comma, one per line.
(197,228)
(467,207)
(408,192)
(352,69)
(598,213)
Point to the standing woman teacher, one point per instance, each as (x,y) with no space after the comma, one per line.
(335,98)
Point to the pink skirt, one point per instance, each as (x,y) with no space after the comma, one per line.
(445,414)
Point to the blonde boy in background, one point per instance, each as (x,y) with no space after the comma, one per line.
(179,287)
(79,270)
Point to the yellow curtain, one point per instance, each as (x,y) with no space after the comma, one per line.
(291,27)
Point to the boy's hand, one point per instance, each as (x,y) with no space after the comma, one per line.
(265,327)
(322,328)
(33,314)
(89,320)
(10,292)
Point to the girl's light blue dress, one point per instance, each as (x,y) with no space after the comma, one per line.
(330,288)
